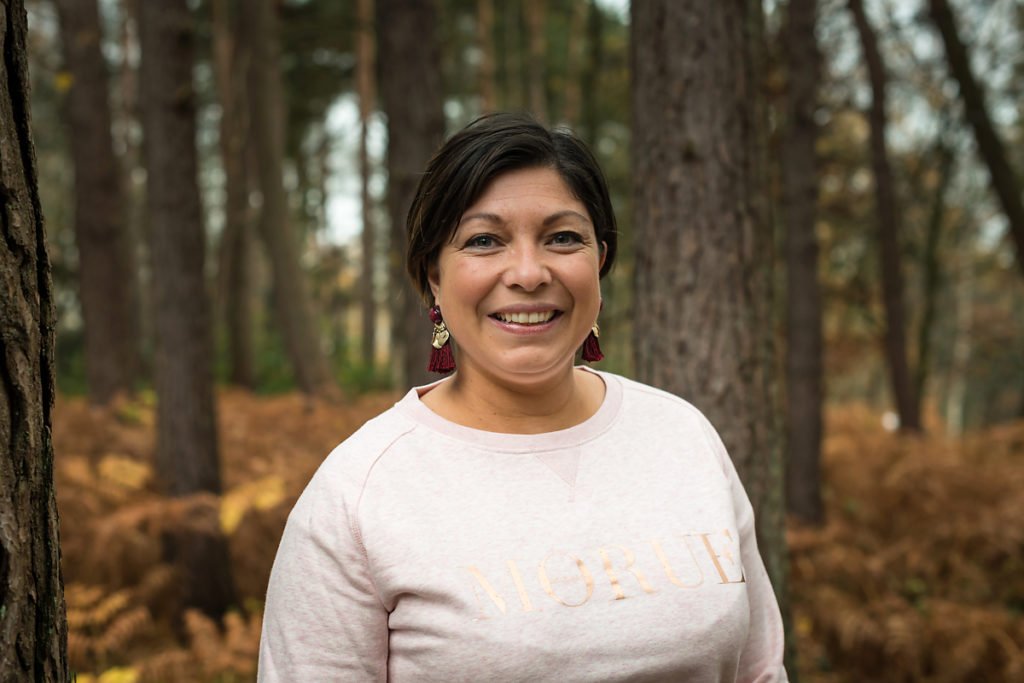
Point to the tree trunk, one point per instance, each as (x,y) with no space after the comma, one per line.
(932,274)
(804,373)
(702,295)
(907,404)
(963,331)
(407,44)
(1005,182)
(127,129)
(364,80)
(108,276)
(231,58)
(510,61)
(591,78)
(186,449)
(292,301)
(485,42)
(575,55)
(535,15)
(33,627)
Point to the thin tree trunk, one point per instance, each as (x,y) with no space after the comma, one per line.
(1020,406)
(292,301)
(510,57)
(932,275)
(485,42)
(231,63)
(702,298)
(322,159)
(591,78)
(108,276)
(575,56)
(128,86)
(535,21)
(804,346)
(128,142)
(301,214)
(1005,181)
(187,460)
(365,70)
(33,627)
(963,332)
(907,404)
(407,44)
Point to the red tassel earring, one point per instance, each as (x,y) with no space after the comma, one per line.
(591,349)
(441,358)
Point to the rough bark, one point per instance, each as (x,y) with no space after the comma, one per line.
(1005,181)
(292,301)
(186,449)
(231,59)
(364,81)
(703,244)
(407,44)
(804,346)
(33,627)
(888,225)
(107,272)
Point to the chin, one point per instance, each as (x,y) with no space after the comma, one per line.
(538,371)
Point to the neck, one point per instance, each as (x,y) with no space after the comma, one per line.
(562,400)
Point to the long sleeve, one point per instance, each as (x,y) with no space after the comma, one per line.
(323,619)
(762,658)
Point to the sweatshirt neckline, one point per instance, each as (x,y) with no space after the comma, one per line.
(413,407)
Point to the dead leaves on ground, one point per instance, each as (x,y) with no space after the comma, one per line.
(917,576)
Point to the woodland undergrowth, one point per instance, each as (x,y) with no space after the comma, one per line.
(125,622)
(918,575)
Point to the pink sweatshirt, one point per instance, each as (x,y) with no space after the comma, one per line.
(619,549)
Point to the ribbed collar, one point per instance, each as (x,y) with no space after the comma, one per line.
(596,424)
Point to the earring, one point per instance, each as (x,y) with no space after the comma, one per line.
(441,358)
(591,349)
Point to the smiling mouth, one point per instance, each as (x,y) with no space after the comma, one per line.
(535,318)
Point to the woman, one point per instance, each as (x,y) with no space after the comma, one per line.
(524,519)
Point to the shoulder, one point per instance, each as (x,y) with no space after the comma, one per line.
(340,479)
(651,412)
(639,396)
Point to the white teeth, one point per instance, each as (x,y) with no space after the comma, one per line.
(526,318)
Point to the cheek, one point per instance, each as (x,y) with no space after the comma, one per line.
(584,279)
(463,284)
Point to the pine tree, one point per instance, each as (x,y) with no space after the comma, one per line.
(33,627)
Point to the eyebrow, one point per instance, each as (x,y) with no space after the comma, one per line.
(553,218)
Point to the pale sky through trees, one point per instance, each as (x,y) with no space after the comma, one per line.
(912,121)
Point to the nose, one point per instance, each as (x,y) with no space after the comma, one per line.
(526,268)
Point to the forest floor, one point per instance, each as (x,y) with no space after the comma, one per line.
(918,574)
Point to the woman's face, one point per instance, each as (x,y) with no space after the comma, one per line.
(518,285)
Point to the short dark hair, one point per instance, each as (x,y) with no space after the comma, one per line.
(494,144)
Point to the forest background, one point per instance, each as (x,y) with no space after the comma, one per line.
(229,298)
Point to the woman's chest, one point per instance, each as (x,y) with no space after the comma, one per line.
(592,572)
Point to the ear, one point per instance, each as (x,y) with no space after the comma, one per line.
(603,253)
(434,279)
